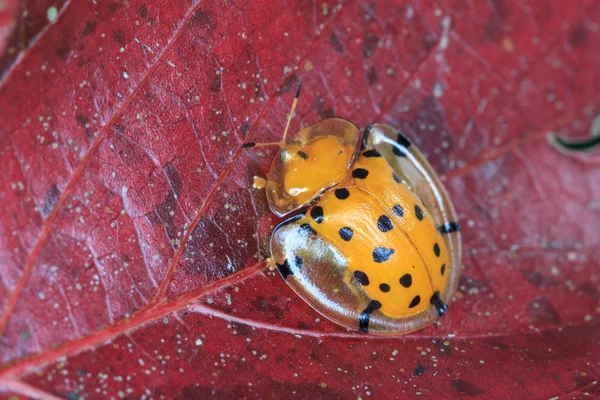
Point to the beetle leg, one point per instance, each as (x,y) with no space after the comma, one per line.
(271,264)
(363,320)
(259,182)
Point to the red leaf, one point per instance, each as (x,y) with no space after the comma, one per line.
(131,241)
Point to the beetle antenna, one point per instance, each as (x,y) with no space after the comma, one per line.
(294,104)
(281,144)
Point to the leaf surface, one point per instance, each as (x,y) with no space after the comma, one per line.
(131,241)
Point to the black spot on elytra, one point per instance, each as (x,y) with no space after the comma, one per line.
(436,250)
(215,85)
(336,43)
(384,223)
(369,43)
(305,230)
(317,214)
(342,193)
(346,233)
(303,155)
(84,122)
(89,28)
(465,387)
(542,312)
(321,109)
(443,269)
(143,11)
(398,210)
(415,301)
(361,278)
(382,254)
(371,153)
(384,287)
(371,75)
(406,280)
(50,198)
(360,173)
(419,370)
(419,213)
(118,36)
(579,36)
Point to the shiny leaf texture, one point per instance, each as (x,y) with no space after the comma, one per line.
(132,243)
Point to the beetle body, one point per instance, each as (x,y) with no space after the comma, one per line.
(371,239)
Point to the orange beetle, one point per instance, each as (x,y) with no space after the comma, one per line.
(371,239)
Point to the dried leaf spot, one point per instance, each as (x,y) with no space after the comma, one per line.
(319,107)
(465,387)
(85,123)
(542,312)
(336,43)
(118,36)
(369,43)
(173,178)
(143,11)
(114,7)
(89,28)
(371,75)
(419,370)
(50,198)
(203,20)
(579,36)
(216,84)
